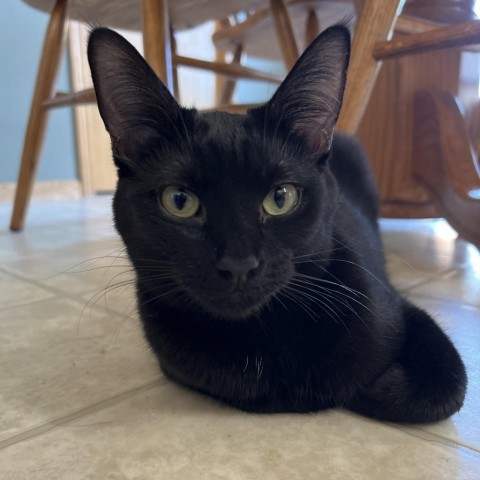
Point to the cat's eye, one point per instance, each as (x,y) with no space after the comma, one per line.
(179,202)
(281,200)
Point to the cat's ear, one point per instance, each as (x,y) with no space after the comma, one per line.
(308,101)
(135,105)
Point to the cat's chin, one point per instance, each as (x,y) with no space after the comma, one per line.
(232,310)
(235,314)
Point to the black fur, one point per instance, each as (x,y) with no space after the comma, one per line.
(317,324)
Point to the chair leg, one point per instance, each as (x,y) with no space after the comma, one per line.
(176,86)
(284,30)
(220,56)
(156,39)
(230,84)
(444,163)
(312,27)
(358,4)
(374,24)
(37,121)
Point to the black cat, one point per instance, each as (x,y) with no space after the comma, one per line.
(260,271)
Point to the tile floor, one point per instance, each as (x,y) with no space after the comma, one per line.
(81,396)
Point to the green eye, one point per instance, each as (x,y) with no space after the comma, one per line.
(180,202)
(281,200)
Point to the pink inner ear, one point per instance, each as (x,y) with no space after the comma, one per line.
(320,140)
(316,133)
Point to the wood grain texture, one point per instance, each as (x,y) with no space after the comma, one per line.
(258,37)
(230,84)
(387,126)
(220,56)
(359,5)
(229,70)
(284,32)
(176,86)
(156,39)
(399,209)
(439,118)
(44,86)
(62,99)
(376,22)
(235,32)
(409,24)
(444,11)
(94,154)
(463,34)
(444,162)
(126,14)
(312,27)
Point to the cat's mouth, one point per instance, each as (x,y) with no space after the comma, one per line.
(239,304)
(231,310)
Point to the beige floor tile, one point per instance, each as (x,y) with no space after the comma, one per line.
(51,226)
(419,251)
(172,433)
(404,275)
(462,324)
(81,395)
(421,460)
(461,285)
(14,291)
(42,212)
(48,240)
(57,358)
(89,267)
(119,296)
(427,245)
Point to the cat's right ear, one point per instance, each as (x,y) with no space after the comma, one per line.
(135,105)
(307,104)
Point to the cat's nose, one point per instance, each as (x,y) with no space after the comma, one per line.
(238,270)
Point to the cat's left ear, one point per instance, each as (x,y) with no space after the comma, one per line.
(308,101)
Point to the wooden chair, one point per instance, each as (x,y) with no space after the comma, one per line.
(441,161)
(157,19)
(439,170)
(375,24)
(295,24)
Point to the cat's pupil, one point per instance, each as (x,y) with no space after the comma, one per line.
(279,197)
(179,199)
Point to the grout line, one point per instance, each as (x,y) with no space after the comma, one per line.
(430,277)
(422,434)
(418,432)
(453,301)
(28,303)
(34,281)
(58,422)
(57,294)
(87,305)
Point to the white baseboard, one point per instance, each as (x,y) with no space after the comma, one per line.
(46,190)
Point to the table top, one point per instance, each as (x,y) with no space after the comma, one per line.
(261,41)
(126,14)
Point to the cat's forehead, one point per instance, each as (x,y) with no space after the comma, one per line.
(217,124)
(224,152)
(235,141)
